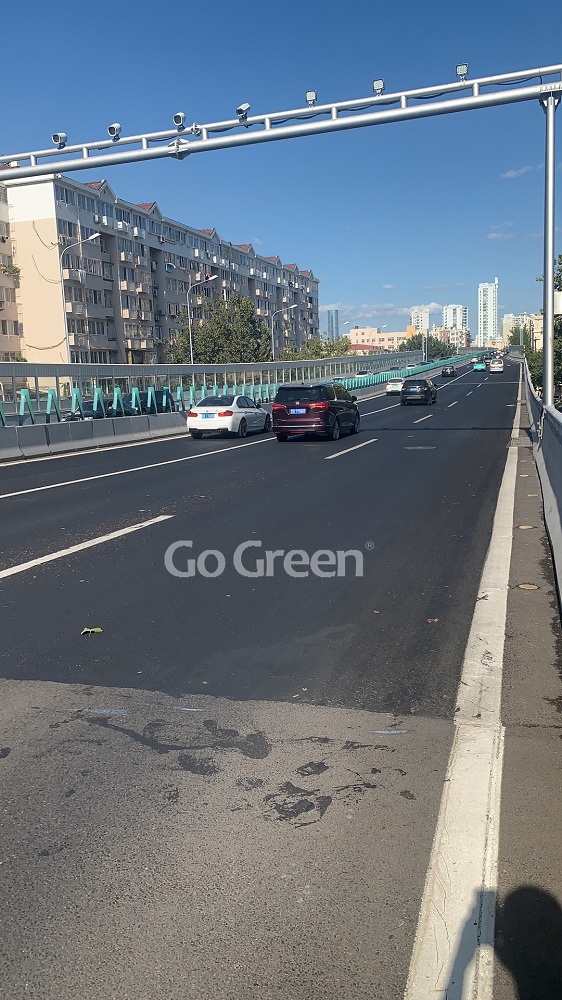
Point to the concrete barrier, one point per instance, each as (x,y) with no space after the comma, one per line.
(81,434)
(58,437)
(103,433)
(163,424)
(32,440)
(9,445)
(130,429)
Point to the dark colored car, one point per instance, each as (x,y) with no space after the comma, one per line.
(449,371)
(161,406)
(418,390)
(88,407)
(325,409)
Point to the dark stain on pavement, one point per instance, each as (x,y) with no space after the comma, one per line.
(408,795)
(197,765)
(313,767)
(249,783)
(293,804)
(4,751)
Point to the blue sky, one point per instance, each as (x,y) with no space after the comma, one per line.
(386,217)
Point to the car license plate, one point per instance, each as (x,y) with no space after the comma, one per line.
(297,411)
(207,416)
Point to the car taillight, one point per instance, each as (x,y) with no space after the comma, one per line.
(227,413)
(278,406)
(318,406)
(193,413)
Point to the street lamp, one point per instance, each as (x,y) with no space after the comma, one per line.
(210,277)
(276,313)
(71,246)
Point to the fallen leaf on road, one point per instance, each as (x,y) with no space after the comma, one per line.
(91,631)
(430,620)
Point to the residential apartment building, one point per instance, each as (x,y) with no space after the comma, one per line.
(452,337)
(487,312)
(455,317)
(419,319)
(10,326)
(124,294)
(333,324)
(372,337)
(522,321)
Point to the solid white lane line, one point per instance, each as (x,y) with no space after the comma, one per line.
(470,393)
(415,421)
(22,567)
(137,468)
(453,952)
(452,404)
(338,454)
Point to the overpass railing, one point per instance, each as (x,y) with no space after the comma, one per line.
(546,434)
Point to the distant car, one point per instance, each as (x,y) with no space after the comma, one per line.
(411,366)
(449,371)
(89,414)
(324,409)
(363,371)
(238,415)
(159,394)
(496,365)
(394,386)
(473,361)
(479,366)
(418,390)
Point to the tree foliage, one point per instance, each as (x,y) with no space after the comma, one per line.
(435,348)
(231,334)
(316,348)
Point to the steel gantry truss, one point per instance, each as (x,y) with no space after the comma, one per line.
(377,109)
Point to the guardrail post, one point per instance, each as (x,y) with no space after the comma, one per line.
(135,399)
(151,401)
(252,391)
(117,401)
(52,400)
(180,398)
(98,402)
(76,401)
(2,415)
(25,400)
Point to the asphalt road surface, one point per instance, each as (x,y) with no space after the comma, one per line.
(232,790)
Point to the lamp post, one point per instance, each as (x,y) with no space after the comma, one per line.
(192,288)
(276,313)
(94,236)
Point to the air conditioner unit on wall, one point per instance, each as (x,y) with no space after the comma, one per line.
(161,239)
(97,220)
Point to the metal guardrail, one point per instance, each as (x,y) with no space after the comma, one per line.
(262,391)
(40,377)
(546,434)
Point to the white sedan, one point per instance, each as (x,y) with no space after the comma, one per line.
(227,415)
(394,386)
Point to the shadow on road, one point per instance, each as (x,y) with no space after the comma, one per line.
(529,942)
(527,939)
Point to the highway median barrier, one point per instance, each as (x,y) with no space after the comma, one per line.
(9,444)
(81,434)
(58,437)
(32,439)
(165,424)
(130,429)
(104,433)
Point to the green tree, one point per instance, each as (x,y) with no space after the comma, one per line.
(521,335)
(316,348)
(435,348)
(231,334)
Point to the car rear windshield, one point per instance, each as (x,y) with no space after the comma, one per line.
(415,381)
(217,401)
(294,394)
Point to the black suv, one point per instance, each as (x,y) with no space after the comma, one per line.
(162,405)
(418,390)
(448,371)
(325,409)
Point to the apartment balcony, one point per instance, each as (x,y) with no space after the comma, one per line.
(75,308)
(146,317)
(73,274)
(130,313)
(127,286)
(139,343)
(100,311)
(143,263)
(142,288)
(126,258)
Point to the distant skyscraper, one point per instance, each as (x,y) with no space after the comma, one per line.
(333,324)
(419,317)
(455,317)
(487,312)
